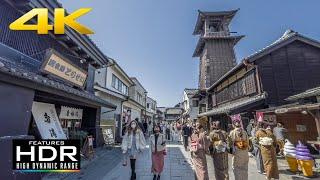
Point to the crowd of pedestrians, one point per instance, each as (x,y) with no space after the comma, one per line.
(201,140)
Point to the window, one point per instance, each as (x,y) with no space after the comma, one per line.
(124,89)
(139,97)
(195,103)
(113,84)
(148,105)
(119,85)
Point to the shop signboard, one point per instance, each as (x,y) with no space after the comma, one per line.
(266,118)
(301,128)
(281,111)
(59,66)
(70,113)
(47,121)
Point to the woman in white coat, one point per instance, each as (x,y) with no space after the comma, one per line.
(133,142)
(158,150)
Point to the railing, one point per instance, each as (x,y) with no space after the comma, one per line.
(209,33)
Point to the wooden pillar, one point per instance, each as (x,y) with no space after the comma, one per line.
(316,116)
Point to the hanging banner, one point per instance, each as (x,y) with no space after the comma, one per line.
(47,121)
(259,116)
(270,119)
(70,113)
(236,117)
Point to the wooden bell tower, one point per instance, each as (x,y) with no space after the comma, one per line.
(215,47)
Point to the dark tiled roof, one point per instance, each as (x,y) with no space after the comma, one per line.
(191,92)
(228,107)
(305,94)
(202,15)
(21,72)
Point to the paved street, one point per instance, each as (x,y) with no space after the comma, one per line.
(107,165)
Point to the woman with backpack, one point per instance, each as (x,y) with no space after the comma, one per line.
(199,144)
(133,143)
(158,150)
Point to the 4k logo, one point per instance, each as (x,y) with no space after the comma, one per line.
(60,20)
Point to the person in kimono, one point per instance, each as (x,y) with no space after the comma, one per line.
(268,144)
(133,143)
(239,141)
(199,143)
(256,150)
(219,140)
(158,150)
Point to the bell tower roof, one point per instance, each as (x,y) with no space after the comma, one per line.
(226,16)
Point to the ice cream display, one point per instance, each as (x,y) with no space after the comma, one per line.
(305,159)
(290,154)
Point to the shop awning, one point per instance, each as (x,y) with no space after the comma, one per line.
(14,74)
(235,106)
(305,94)
(291,108)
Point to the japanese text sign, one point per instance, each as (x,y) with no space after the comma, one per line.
(61,67)
(47,121)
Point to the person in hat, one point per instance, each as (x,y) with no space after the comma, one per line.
(239,141)
(199,143)
(133,142)
(219,140)
(267,143)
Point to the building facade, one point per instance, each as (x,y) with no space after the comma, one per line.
(135,107)
(46,76)
(160,114)
(264,80)
(190,104)
(151,109)
(173,113)
(112,83)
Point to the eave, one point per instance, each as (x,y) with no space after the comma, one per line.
(201,43)
(203,14)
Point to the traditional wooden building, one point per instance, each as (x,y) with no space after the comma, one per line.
(288,66)
(301,116)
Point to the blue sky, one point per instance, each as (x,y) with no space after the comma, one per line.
(153,41)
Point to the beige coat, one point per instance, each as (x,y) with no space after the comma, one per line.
(161,139)
(127,141)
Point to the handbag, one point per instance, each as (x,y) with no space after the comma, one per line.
(165,150)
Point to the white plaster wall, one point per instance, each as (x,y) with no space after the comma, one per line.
(100,76)
(112,70)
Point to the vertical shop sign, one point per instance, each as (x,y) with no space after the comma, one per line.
(47,121)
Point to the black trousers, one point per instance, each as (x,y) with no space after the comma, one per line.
(133,165)
(168,135)
(185,141)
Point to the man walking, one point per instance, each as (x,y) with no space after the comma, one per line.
(186,132)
